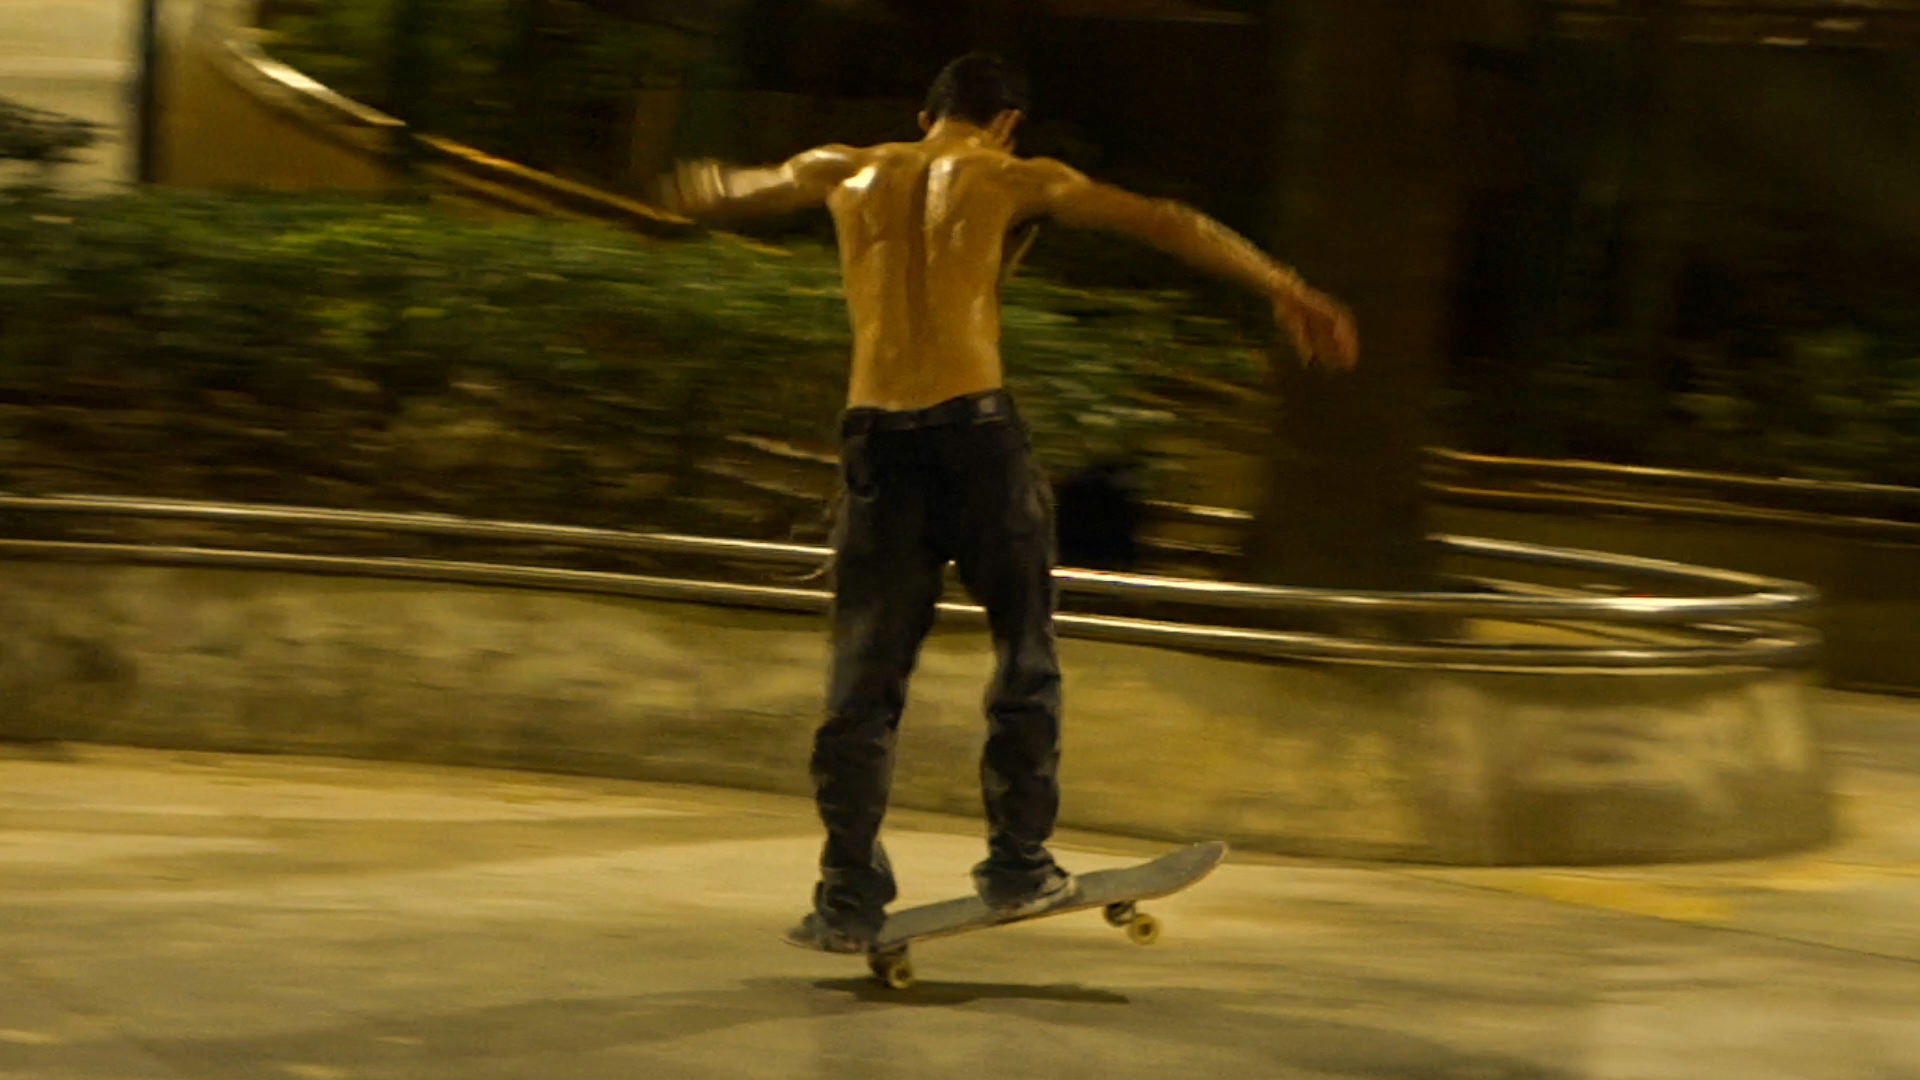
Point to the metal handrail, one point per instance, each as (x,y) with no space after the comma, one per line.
(1770,647)
(1494,464)
(425,524)
(1474,471)
(1766,598)
(1599,470)
(1866,528)
(1869,511)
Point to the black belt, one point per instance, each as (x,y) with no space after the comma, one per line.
(986,407)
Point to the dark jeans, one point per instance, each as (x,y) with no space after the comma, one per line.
(952,483)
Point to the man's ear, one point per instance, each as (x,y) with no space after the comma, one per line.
(926,122)
(1003,125)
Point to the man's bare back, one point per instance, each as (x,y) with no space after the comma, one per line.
(922,227)
(923,231)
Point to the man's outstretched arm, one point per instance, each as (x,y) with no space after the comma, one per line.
(710,190)
(1321,328)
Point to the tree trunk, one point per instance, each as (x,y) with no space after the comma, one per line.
(409,78)
(1367,211)
(1657,218)
(527,70)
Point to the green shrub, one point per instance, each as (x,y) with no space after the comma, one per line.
(1794,350)
(333,352)
(545,85)
(1841,405)
(40,138)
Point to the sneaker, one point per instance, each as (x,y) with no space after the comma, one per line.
(1059,888)
(815,932)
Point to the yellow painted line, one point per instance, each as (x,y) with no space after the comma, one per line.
(316,1072)
(27,1038)
(1632,897)
(1627,896)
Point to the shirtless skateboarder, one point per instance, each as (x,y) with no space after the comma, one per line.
(936,463)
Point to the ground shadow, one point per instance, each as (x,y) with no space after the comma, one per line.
(566,1036)
(962,993)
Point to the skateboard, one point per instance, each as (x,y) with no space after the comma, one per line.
(1115,892)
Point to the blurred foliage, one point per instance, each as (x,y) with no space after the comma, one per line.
(552,84)
(547,83)
(1794,350)
(314,351)
(1842,404)
(40,138)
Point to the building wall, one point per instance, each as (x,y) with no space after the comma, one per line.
(74,57)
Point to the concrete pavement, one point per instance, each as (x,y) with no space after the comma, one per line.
(74,57)
(167,915)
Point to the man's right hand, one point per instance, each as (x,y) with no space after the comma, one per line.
(693,187)
(1321,328)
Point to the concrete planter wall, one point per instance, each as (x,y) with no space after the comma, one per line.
(1322,759)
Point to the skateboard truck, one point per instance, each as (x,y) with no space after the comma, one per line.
(1141,928)
(894,966)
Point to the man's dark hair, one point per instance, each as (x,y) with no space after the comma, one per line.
(976,88)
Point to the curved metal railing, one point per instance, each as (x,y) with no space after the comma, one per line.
(1746,628)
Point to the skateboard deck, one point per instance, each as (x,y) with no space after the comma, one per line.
(1115,892)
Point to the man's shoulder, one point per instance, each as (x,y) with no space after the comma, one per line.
(833,164)
(1049,170)
(1035,174)
(841,161)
